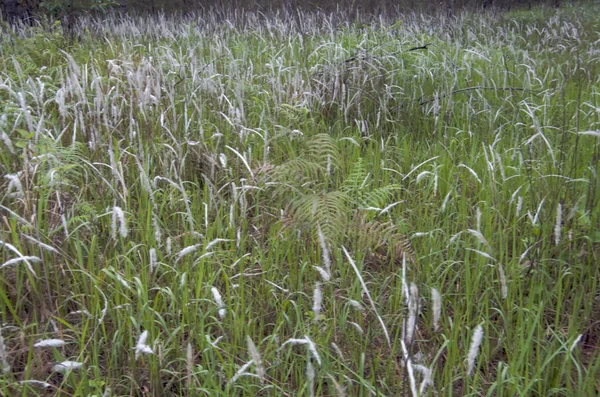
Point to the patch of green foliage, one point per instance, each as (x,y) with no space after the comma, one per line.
(178,197)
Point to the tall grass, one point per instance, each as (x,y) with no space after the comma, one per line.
(240,205)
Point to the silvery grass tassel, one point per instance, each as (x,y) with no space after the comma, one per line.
(50,343)
(260,370)
(67,366)
(152,259)
(411,324)
(338,388)
(474,348)
(4,365)
(317,301)
(437,308)
(118,215)
(310,375)
(141,347)
(219,301)
(325,271)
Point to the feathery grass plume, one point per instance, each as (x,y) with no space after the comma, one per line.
(305,341)
(427,380)
(5,366)
(141,347)
(503,286)
(118,216)
(358,327)
(152,259)
(6,139)
(558,224)
(219,301)
(41,245)
(67,366)
(50,343)
(310,375)
(590,133)
(317,301)
(217,241)
(446,200)
(338,351)
(14,188)
(25,259)
(157,231)
(241,372)
(39,383)
(324,250)
(575,343)
(436,299)
(313,349)
(260,370)
(478,221)
(477,234)
(169,246)
(413,305)
(356,304)
(409,369)
(423,175)
(323,273)
(22,258)
(188,250)
(366,291)
(519,206)
(338,388)
(404,283)
(471,171)
(484,254)
(476,340)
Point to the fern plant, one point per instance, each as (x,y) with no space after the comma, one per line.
(315,201)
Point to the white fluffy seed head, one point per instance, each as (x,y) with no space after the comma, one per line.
(4,365)
(436,299)
(152,259)
(324,250)
(66,366)
(118,217)
(219,302)
(310,375)
(317,301)
(413,304)
(260,370)
(141,347)
(50,343)
(476,340)
(503,286)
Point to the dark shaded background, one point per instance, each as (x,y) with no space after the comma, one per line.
(30,9)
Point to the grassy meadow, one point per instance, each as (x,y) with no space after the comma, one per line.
(301,204)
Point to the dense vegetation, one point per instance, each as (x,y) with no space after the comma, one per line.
(34,9)
(294,204)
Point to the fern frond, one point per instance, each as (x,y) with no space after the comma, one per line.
(297,171)
(356,178)
(383,241)
(379,197)
(328,210)
(322,149)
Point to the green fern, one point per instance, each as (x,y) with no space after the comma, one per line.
(356,179)
(383,241)
(298,171)
(379,197)
(329,210)
(322,149)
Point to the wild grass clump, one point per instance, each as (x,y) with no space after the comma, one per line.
(248,206)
